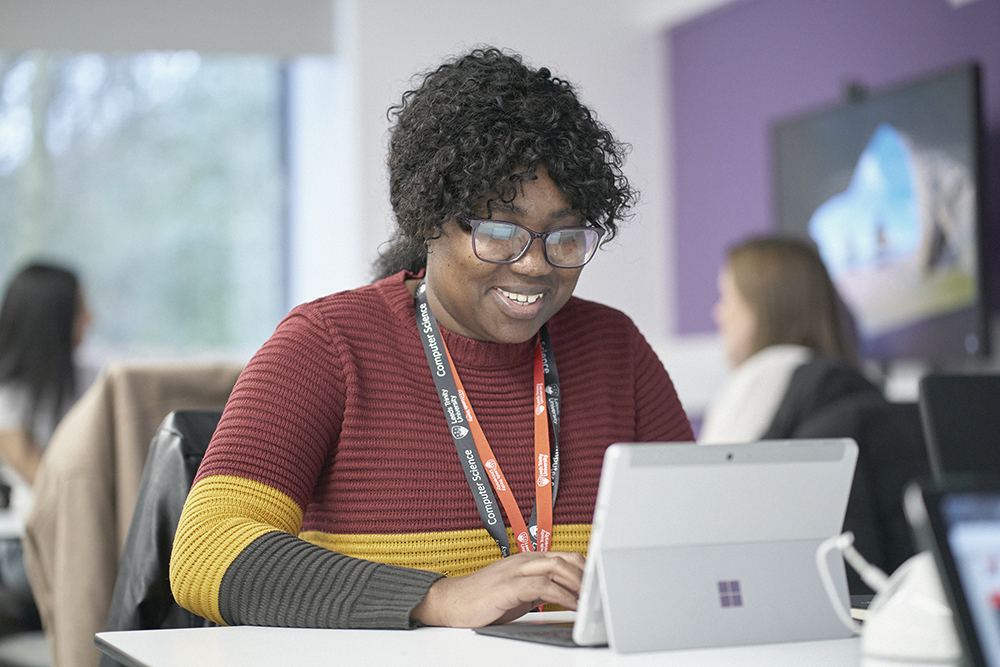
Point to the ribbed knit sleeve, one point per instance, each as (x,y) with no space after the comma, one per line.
(279,580)
(654,396)
(236,557)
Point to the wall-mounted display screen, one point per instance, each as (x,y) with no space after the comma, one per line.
(888,185)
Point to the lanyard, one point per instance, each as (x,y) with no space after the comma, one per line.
(482,470)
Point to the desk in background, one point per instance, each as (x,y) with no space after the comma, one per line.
(18,505)
(245,646)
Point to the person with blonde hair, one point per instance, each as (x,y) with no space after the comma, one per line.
(778,310)
(791,344)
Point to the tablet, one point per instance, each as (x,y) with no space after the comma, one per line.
(709,545)
(958,520)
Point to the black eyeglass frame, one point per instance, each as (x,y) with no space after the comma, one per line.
(474,224)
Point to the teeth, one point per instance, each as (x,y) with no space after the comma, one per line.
(520,298)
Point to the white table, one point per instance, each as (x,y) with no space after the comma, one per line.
(244,646)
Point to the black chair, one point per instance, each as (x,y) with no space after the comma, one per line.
(891,453)
(825,399)
(961,421)
(142,599)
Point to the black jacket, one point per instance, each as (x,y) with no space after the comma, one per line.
(830,398)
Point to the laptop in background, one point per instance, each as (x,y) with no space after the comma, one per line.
(957,519)
(711,545)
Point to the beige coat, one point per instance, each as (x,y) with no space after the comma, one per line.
(86,489)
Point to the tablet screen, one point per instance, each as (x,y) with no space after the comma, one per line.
(963,529)
(973,525)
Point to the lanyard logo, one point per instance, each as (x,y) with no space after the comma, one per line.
(496,476)
(543,470)
(539,399)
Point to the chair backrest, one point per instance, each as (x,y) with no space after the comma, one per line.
(891,454)
(87,486)
(142,599)
(827,398)
(960,414)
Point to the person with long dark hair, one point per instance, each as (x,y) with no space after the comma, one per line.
(42,321)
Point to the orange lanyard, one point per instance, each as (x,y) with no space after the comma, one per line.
(482,470)
(543,479)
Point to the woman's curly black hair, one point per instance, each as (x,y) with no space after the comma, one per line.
(460,137)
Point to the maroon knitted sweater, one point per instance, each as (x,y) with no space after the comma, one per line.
(333,464)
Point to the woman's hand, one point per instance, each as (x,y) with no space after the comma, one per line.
(503,591)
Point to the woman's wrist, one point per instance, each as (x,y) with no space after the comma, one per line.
(426,611)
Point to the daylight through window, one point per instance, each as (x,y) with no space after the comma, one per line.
(160,178)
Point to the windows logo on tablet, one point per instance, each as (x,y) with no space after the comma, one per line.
(729,594)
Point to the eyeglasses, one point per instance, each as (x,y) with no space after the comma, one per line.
(500,242)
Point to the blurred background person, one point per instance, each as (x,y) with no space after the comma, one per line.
(42,322)
(792,347)
(778,313)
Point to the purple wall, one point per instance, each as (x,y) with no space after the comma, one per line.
(740,68)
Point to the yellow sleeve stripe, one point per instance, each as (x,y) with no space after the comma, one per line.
(451,553)
(221,517)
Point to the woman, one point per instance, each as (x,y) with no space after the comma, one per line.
(42,321)
(778,312)
(796,376)
(375,447)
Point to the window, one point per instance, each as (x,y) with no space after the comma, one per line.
(161,178)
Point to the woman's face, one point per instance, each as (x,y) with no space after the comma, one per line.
(502,303)
(735,319)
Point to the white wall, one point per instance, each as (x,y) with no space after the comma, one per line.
(212,26)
